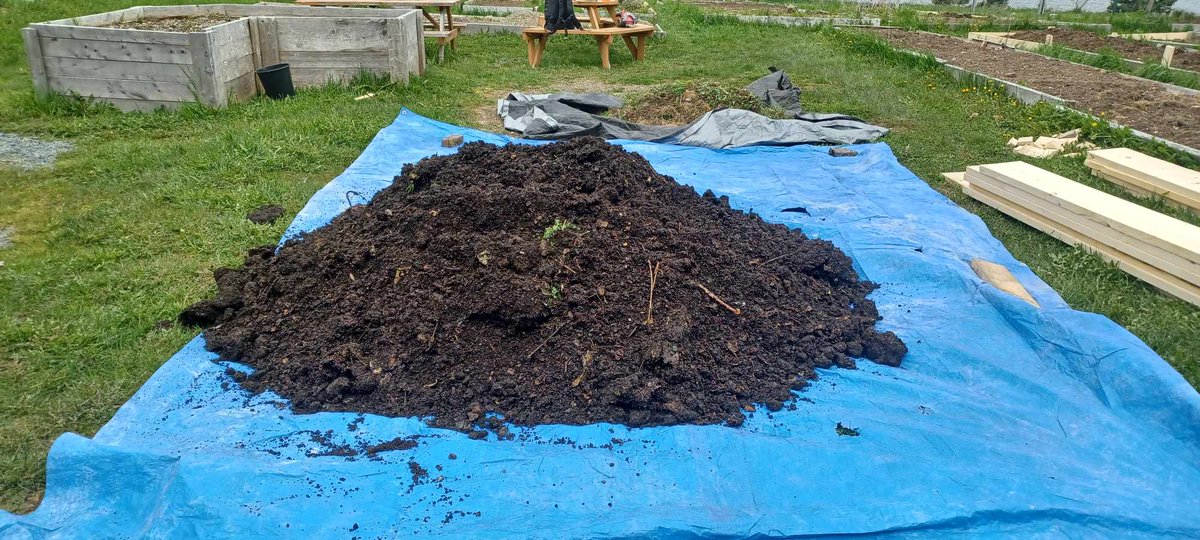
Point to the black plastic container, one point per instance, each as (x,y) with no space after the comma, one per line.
(276,80)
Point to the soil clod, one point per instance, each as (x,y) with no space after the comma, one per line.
(265,214)
(539,331)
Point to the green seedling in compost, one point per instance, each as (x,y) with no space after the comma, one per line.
(553,293)
(560,225)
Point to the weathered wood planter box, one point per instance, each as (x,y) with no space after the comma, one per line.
(149,69)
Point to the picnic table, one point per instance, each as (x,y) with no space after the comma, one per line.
(602,28)
(442,27)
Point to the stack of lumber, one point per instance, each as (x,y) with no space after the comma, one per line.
(1146,176)
(1158,249)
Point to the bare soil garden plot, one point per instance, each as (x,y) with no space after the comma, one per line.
(567,283)
(174,24)
(1144,51)
(1138,104)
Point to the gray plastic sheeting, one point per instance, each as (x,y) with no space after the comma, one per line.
(566,115)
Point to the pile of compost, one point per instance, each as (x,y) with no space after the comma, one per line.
(568,283)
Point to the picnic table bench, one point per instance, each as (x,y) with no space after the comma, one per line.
(603,29)
(441,27)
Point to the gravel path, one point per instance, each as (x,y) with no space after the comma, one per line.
(29,152)
(1139,104)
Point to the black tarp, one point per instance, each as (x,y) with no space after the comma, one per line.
(564,115)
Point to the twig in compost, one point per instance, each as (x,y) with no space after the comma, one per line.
(776,258)
(544,342)
(710,294)
(433,340)
(653,281)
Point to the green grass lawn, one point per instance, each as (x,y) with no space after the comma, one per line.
(124,232)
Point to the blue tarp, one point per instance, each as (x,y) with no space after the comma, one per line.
(1005,420)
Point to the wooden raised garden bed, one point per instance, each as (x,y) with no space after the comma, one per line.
(108,57)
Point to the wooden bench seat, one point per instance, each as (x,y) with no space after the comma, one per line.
(535,38)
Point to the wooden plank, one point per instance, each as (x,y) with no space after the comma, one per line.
(1127,186)
(255,40)
(111,50)
(1146,253)
(129,105)
(419,45)
(208,88)
(242,88)
(236,68)
(37,66)
(1163,282)
(639,28)
(332,34)
(234,53)
(1132,219)
(1137,188)
(162,12)
(408,3)
(112,69)
(302,76)
(268,41)
(104,19)
(1159,174)
(1001,278)
(278,10)
(1165,259)
(397,58)
(958,178)
(232,37)
(337,60)
(1170,36)
(115,88)
(111,34)
(1150,184)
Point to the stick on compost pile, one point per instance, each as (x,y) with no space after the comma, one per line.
(567,283)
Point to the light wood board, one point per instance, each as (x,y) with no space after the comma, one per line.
(1140,270)
(1161,176)
(1132,219)
(1162,260)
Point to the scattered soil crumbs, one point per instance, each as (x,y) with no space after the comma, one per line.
(517,281)
(399,443)
(681,104)
(1132,49)
(176,24)
(1139,104)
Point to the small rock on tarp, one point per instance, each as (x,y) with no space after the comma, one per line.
(838,151)
(266,213)
(450,141)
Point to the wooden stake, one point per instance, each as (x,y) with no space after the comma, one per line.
(716,298)
(653,281)
(1168,55)
(1049,39)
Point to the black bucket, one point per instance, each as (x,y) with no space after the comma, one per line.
(276,80)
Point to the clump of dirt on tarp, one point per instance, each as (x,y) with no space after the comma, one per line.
(517,281)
